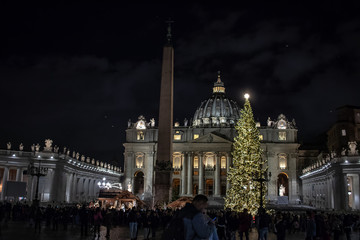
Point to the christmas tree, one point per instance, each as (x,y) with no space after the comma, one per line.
(248,165)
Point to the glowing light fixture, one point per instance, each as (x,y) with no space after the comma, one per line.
(246,96)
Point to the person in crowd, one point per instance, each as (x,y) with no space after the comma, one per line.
(55,219)
(38,218)
(84,220)
(348,223)
(196,224)
(107,222)
(232,225)
(220,225)
(336,227)
(319,222)
(244,224)
(133,223)
(154,220)
(280,227)
(327,230)
(310,226)
(264,222)
(97,221)
(295,224)
(146,223)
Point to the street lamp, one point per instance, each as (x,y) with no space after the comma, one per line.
(38,171)
(104,184)
(261,180)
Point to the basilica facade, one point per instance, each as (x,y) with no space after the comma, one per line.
(202,150)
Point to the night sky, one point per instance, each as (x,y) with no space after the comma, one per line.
(76,73)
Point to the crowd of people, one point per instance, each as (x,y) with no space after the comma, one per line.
(198,221)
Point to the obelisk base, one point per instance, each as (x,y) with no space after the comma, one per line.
(162,188)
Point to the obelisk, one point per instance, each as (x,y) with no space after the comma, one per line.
(164,143)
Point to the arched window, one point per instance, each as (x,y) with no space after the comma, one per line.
(282,161)
(223,162)
(177,160)
(209,160)
(139,160)
(140,135)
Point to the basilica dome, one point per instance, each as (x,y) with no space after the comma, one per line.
(217,111)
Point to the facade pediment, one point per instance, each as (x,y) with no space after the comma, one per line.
(211,138)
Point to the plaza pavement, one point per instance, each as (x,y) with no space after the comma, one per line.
(22,231)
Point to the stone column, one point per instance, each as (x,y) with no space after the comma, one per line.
(217,175)
(346,198)
(201,174)
(183,174)
(190,173)
(19,174)
(129,165)
(228,162)
(4,182)
(73,188)
(57,189)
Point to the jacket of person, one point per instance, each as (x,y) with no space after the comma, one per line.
(196,224)
(244,222)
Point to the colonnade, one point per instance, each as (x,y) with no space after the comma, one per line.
(55,186)
(338,191)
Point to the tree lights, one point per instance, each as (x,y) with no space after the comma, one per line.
(245,190)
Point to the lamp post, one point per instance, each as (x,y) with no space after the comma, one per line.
(38,172)
(261,180)
(104,184)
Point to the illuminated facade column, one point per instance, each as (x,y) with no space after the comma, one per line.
(57,186)
(19,174)
(183,173)
(68,188)
(345,192)
(4,182)
(189,173)
(217,175)
(73,188)
(128,166)
(228,162)
(201,174)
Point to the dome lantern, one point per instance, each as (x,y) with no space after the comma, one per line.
(218,85)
